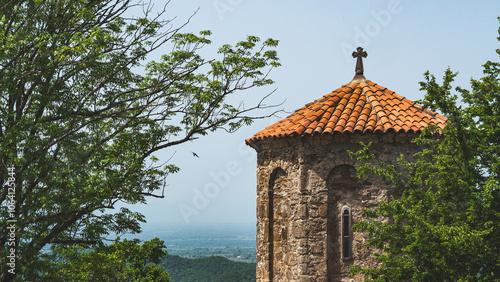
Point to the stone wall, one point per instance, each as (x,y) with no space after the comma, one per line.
(304,185)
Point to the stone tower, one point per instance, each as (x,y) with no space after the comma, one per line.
(308,196)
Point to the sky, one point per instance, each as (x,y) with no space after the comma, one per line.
(403,40)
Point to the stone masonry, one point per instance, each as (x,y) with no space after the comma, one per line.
(305,185)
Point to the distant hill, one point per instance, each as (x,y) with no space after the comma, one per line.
(211,269)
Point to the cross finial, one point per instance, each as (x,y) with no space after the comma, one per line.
(359,64)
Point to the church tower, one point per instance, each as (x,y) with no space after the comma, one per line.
(308,196)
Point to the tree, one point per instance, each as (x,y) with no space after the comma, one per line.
(82,115)
(125,260)
(444,227)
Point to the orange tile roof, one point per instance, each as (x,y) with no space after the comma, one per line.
(359,106)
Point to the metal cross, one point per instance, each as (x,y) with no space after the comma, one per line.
(359,64)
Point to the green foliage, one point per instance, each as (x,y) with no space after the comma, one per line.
(121,261)
(208,269)
(82,114)
(247,275)
(444,226)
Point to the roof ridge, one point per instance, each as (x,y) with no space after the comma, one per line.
(373,103)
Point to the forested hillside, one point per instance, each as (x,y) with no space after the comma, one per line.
(209,269)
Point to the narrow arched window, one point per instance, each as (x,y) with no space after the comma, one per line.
(275,222)
(346,234)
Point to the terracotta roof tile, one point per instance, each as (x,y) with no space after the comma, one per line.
(359,106)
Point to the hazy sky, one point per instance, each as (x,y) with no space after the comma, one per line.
(403,39)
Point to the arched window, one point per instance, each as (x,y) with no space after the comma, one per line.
(346,234)
(342,188)
(275,200)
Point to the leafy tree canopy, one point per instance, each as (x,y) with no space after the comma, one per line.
(82,115)
(125,260)
(209,269)
(444,227)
